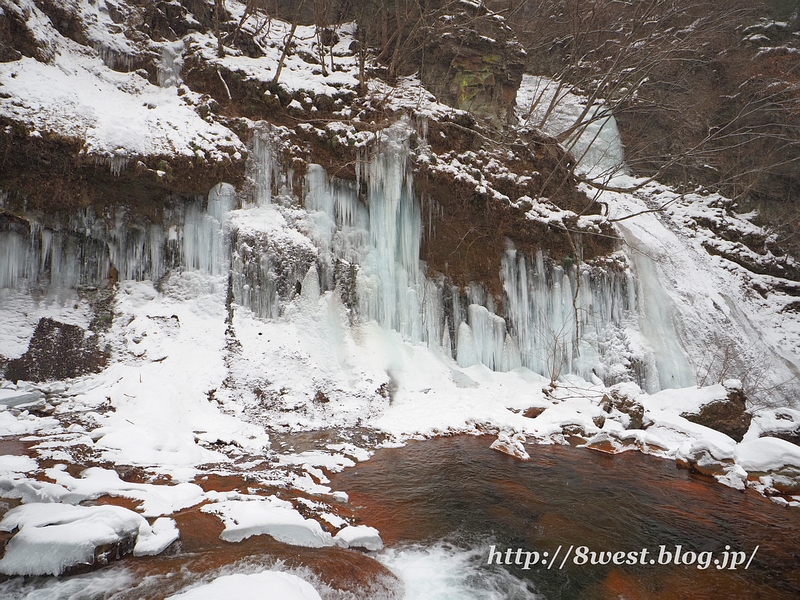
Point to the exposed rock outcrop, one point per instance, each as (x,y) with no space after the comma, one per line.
(475,63)
(624,403)
(729,416)
(57,351)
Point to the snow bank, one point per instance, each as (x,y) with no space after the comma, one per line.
(767,454)
(54,537)
(360,536)
(245,516)
(278,585)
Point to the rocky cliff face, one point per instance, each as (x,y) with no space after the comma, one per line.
(156,138)
(473,61)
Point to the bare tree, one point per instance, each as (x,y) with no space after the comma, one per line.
(219,14)
(287,42)
(693,102)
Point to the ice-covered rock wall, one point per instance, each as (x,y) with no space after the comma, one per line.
(90,251)
(363,238)
(361,241)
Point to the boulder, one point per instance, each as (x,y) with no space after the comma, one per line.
(513,445)
(772,457)
(729,415)
(57,351)
(53,538)
(618,400)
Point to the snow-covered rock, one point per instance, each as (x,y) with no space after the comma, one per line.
(51,538)
(276,584)
(767,454)
(245,516)
(513,445)
(361,536)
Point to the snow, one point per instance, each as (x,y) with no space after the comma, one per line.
(79,97)
(151,445)
(117,115)
(54,537)
(160,418)
(706,323)
(299,75)
(17,464)
(682,400)
(361,536)
(331,462)
(24,423)
(767,454)
(278,584)
(246,516)
(513,446)
(22,312)
(157,500)
(155,539)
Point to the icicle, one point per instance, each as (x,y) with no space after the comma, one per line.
(203,244)
(169,69)
(264,167)
(15,250)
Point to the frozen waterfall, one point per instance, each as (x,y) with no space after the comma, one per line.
(365,240)
(361,241)
(91,251)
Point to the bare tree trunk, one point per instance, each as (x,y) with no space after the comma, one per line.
(286,44)
(288,41)
(219,7)
(249,10)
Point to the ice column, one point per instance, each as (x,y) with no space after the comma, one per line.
(205,248)
(169,69)
(563,325)
(391,284)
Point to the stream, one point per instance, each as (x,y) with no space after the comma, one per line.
(456,497)
(444,505)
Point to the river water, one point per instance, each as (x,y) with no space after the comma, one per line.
(443,503)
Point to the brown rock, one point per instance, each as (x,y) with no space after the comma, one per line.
(627,405)
(57,351)
(729,416)
(474,63)
(533,412)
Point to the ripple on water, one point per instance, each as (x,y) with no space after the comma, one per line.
(458,489)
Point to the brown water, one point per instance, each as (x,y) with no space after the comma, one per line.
(440,505)
(459,490)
